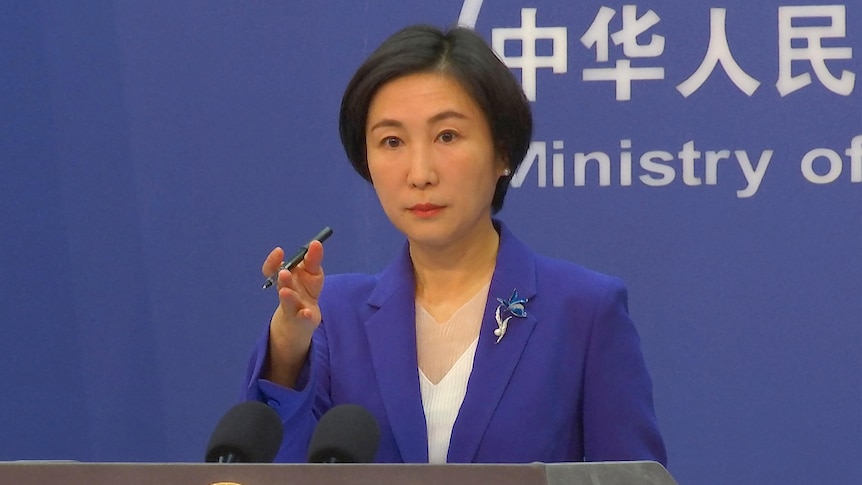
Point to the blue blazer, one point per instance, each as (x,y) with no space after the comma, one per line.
(566,383)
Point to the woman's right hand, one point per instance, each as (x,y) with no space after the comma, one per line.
(297,314)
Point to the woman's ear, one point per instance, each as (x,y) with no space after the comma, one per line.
(503,163)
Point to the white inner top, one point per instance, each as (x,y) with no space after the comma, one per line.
(442,401)
(445,354)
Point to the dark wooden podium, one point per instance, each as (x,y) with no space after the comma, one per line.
(74,473)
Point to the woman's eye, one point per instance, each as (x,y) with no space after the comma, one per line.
(392,142)
(447,137)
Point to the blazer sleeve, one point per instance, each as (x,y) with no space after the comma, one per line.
(299,408)
(619,417)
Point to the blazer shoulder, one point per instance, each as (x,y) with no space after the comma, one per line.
(561,271)
(575,279)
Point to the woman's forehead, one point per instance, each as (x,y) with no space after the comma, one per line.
(425,93)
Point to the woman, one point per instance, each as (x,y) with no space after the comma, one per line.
(468,347)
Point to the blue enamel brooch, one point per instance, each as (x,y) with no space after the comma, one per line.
(513,307)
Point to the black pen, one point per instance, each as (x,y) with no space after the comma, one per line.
(291,263)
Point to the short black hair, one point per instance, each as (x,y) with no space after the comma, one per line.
(458,52)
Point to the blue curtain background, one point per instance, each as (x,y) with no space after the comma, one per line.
(152,153)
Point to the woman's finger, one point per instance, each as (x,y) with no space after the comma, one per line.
(272,262)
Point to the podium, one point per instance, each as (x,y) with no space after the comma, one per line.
(75,473)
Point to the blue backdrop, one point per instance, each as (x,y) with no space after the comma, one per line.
(709,153)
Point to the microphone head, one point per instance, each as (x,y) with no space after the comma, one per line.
(346,433)
(249,432)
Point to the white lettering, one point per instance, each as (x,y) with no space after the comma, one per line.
(718,52)
(688,156)
(538,153)
(658,168)
(835,166)
(753,175)
(813,52)
(598,35)
(711,162)
(625,163)
(559,164)
(604,162)
(855,155)
(529,62)
(649,164)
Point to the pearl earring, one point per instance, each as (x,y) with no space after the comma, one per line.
(507,172)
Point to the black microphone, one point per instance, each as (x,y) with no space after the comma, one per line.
(249,432)
(346,433)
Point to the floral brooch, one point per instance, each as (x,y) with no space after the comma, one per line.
(513,307)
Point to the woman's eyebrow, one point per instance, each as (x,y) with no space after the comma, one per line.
(443,115)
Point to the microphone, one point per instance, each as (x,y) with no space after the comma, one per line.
(347,433)
(249,432)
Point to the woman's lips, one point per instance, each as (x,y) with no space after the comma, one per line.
(425,210)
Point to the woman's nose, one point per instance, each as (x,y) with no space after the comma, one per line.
(422,171)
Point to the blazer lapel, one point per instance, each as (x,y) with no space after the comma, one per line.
(495,362)
(392,340)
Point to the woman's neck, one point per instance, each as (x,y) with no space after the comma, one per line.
(447,277)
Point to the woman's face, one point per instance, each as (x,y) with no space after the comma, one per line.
(431,158)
